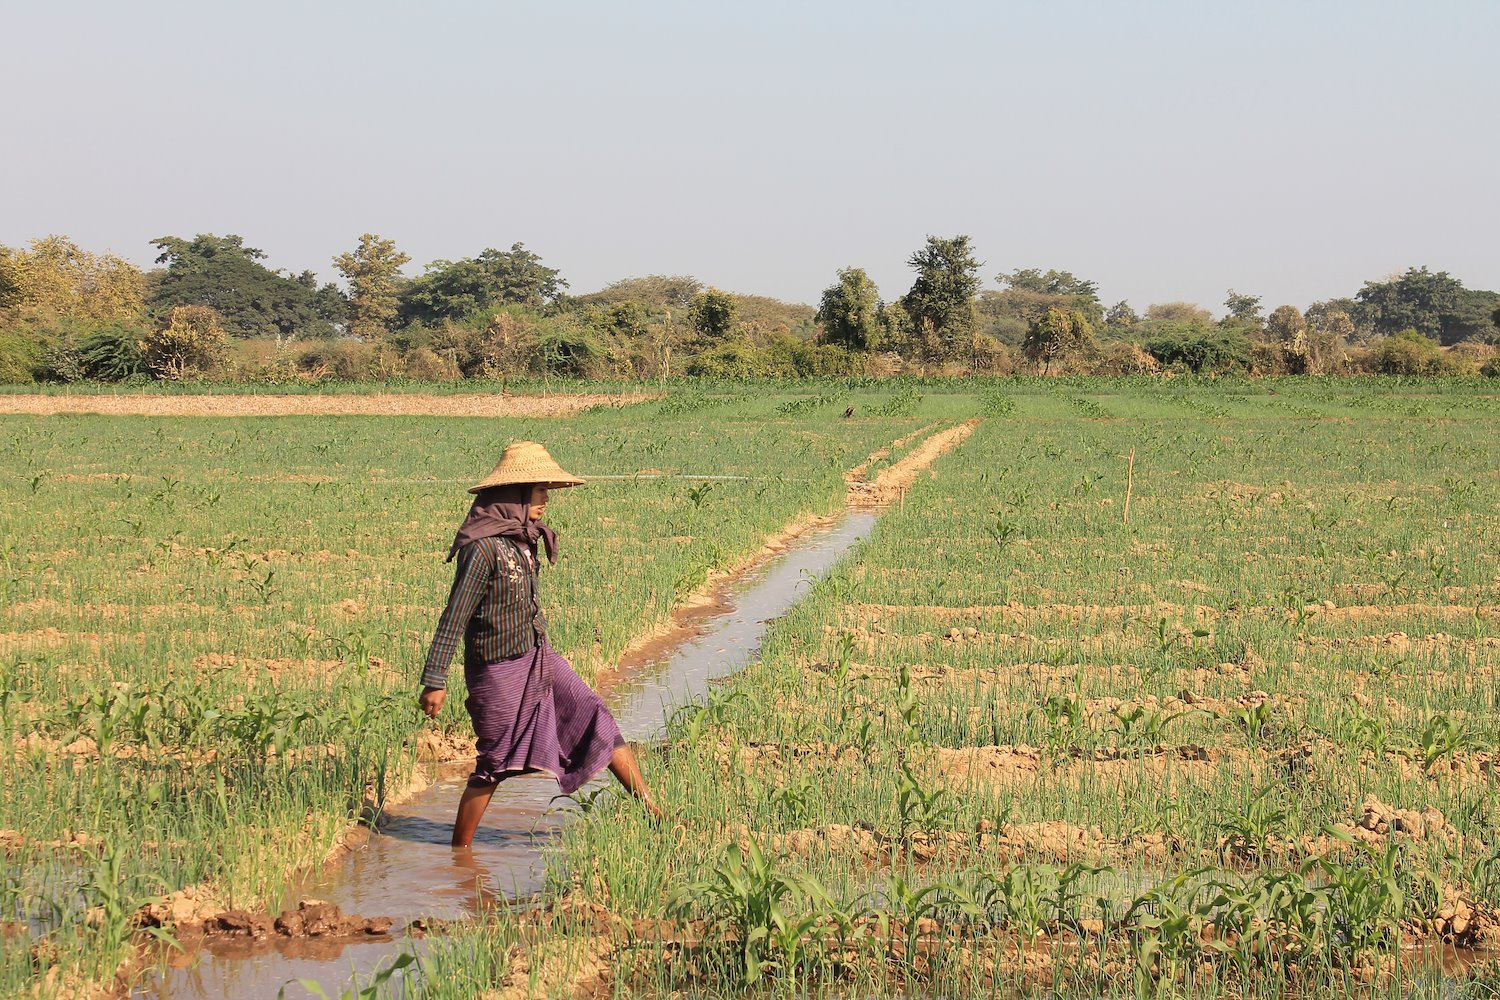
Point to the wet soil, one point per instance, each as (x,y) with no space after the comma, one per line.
(406,871)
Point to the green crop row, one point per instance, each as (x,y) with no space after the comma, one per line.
(1242,742)
(211,629)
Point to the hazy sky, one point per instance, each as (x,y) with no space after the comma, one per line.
(1167,150)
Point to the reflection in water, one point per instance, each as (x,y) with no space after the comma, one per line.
(408,870)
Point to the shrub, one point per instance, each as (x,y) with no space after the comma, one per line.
(113,352)
(20,357)
(569,350)
(345,359)
(1273,359)
(734,359)
(1491,368)
(424,365)
(1122,358)
(1406,353)
(1205,351)
(192,343)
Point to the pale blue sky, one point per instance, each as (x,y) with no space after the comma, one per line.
(1167,150)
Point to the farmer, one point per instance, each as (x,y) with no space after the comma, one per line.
(531,712)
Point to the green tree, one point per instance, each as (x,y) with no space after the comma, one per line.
(1287,329)
(711,314)
(1320,315)
(850,311)
(11,289)
(454,289)
(1029,293)
(373,270)
(1244,310)
(1286,324)
(1121,319)
(655,291)
(1435,304)
(251,300)
(1056,335)
(940,303)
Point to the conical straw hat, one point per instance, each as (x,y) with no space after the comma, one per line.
(527,462)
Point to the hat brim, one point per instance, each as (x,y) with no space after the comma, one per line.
(551,484)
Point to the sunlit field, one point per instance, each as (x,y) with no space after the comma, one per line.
(1242,741)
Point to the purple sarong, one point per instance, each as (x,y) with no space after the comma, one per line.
(533,713)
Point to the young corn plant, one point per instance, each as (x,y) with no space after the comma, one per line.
(1443,736)
(921,808)
(758,905)
(906,906)
(1017,898)
(1138,725)
(1248,835)
(1366,901)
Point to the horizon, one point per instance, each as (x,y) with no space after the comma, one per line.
(1167,153)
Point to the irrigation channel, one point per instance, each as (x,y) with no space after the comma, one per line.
(407,871)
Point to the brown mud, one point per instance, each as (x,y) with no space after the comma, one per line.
(314,929)
(375,404)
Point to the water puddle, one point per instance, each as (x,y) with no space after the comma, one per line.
(408,871)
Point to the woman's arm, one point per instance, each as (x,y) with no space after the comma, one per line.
(471,576)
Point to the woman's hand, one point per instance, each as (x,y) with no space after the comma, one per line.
(431,701)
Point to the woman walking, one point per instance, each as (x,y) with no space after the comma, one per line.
(531,712)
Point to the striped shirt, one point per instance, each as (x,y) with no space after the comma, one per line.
(492,607)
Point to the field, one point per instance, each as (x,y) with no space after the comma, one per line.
(1243,741)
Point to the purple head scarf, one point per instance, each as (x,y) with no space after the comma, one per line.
(501,510)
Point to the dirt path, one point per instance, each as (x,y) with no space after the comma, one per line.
(376,405)
(891,482)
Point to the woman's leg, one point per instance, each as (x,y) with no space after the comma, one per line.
(622,765)
(471,809)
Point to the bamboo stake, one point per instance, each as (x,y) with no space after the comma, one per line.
(1129,482)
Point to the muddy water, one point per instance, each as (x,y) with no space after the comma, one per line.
(408,871)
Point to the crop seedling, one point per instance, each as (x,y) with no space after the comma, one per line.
(1252,720)
(1441,737)
(1144,726)
(375,988)
(919,807)
(796,801)
(1248,834)
(749,897)
(691,721)
(842,655)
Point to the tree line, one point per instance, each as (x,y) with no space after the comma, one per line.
(213,307)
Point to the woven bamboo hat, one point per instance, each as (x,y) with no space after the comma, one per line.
(527,462)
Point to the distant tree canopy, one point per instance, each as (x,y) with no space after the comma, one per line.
(850,311)
(655,291)
(251,300)
(55,279)
(1244,310)
(453,289)
(940,304)
(373,270)
(712,314)
(67,314)
(1055,335)
(1008,314)
(1435,304)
